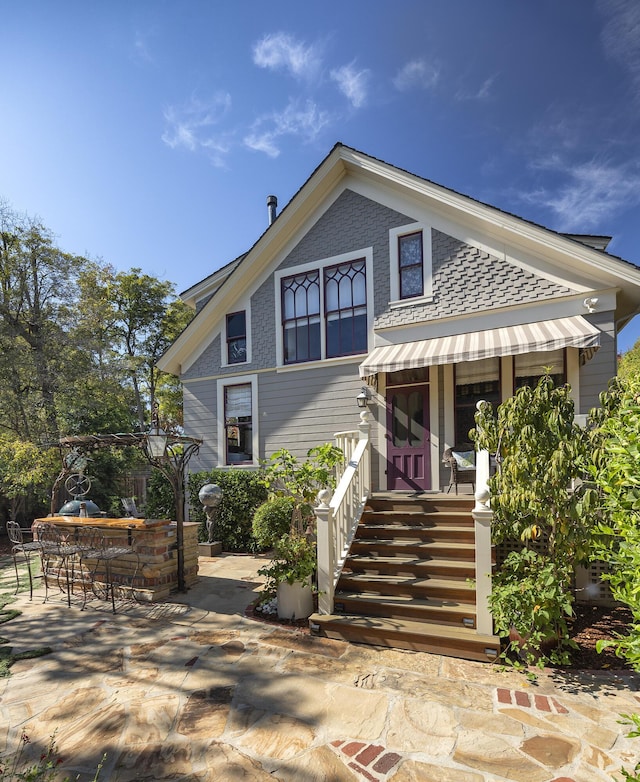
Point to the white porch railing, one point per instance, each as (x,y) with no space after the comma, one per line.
(338,519)
(482,516)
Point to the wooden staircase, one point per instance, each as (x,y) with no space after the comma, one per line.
(405,583)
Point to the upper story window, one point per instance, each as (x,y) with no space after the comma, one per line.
(324,311)
(237,337)
(410,263)
(301,317)
(410,267)
(345,306)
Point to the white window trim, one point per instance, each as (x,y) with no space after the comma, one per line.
(224,362)
(394,265)
(238,380)
(320,265)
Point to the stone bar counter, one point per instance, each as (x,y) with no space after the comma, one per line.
(151,569)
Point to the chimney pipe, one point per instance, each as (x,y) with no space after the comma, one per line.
(272,205)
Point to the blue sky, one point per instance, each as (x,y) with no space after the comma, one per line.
(150,132)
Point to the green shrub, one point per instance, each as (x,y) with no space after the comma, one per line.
(294,560)
(272,520)
(160,500)
(242,494)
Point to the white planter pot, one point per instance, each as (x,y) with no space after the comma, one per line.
(295,601)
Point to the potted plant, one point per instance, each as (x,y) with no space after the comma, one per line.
(289,575)
(294,561)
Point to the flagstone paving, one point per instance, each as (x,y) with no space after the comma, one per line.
(192,690)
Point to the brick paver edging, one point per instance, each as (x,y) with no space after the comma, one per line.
(371,761)
(529,701)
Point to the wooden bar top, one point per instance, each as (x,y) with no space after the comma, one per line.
(105,523)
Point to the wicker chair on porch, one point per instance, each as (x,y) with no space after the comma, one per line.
(462,461)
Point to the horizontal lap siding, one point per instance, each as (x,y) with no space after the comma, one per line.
(598,371)
(200,421)
(299,410)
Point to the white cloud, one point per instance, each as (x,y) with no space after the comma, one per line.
(352,83)
(482,93)
(283,51)
(621,35)
(301,120)
(591,193)
(141,49)
(190,126)
(417,74)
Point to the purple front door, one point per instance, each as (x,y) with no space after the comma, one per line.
(408,440)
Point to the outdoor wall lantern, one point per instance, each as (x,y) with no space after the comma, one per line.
(364,398)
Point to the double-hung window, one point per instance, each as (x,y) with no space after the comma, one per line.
(324,311)
(236,324)
(238,424)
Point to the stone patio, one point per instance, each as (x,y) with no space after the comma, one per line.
(190,689)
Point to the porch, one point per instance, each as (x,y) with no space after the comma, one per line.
(407,570)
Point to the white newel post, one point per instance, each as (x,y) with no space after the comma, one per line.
(325,545)
(482,516)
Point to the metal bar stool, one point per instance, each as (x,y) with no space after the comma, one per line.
(20,546)
(58,559)
(99,550)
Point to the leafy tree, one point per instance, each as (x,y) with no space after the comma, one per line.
(37,282)
(629,364)
(614,461)
(538,497)
(614,467)
(147,320)
(78,345)
(25,469)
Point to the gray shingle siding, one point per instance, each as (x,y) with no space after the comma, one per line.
(466,279)
(208,363)
(352,223)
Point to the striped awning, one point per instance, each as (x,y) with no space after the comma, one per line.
(575,332)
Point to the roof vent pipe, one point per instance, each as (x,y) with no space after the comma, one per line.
(272,205)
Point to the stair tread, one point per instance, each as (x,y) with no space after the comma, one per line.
(427,629)
(415,527)
(384,578)
(363,559)
(456,545)
(403,600)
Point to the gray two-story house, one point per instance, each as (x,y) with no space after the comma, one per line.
(374,277)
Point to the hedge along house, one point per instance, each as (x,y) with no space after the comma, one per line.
(430,299)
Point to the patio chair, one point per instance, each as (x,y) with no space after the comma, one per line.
(462,462)
(97,550)
(59,559)
(19,546)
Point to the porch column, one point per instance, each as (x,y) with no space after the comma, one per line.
(482,516)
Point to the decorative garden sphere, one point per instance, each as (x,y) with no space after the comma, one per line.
(210,495)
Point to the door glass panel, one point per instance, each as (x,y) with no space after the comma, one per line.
(416,419)
(400,420)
